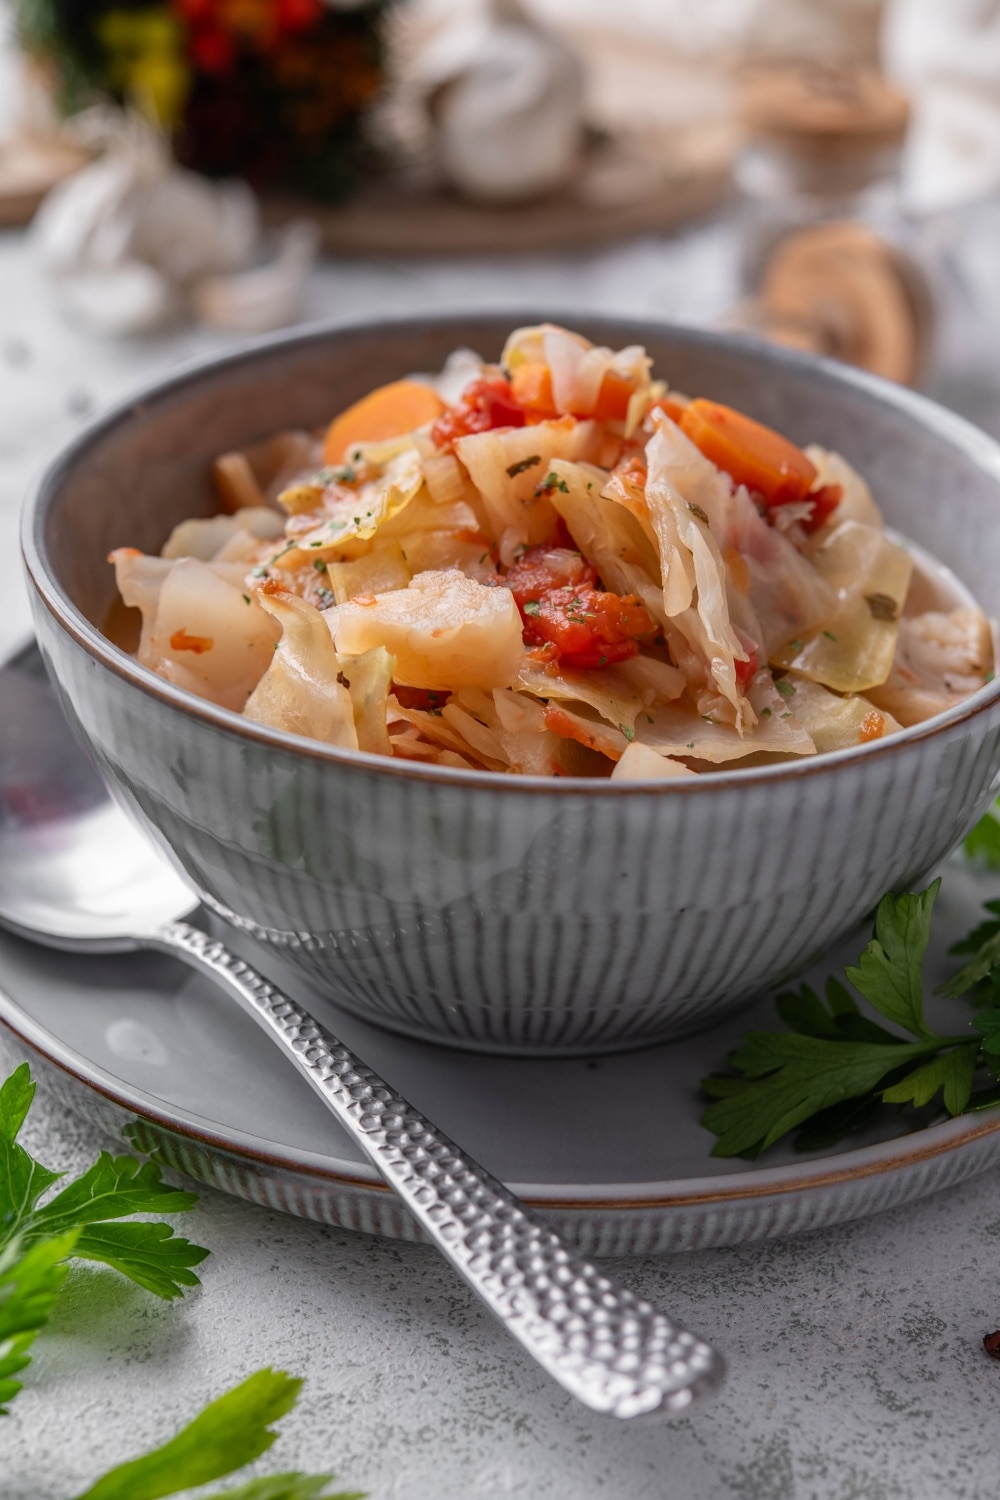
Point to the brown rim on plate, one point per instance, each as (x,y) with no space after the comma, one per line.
(868,1161)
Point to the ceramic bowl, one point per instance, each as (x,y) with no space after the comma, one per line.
(510,913)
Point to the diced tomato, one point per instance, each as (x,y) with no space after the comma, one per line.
(746,671)
(531,576)
(750,453)
(583,625)
(824,503)
(485,404)
(589,628)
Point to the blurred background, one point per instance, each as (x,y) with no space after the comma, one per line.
(176,175)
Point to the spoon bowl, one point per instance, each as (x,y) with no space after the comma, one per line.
(75,873)
(55,816)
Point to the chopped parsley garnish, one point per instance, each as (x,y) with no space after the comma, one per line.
(532,607)
(785,688)
(765,713)
(245,598)
(319,565)
(627,732)
(696,510)
(795,645)
(829,635)
(552,482)
(526,463)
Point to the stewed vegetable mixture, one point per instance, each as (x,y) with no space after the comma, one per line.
(554,566)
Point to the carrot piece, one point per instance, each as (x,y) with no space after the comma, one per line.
(181,641)
(531,388)
(672,408)
(387,412)
(613,397)
(751,454)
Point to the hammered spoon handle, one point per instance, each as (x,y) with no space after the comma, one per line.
(608,1347)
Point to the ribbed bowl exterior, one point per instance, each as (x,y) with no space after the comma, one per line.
(491,912)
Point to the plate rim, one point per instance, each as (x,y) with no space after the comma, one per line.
(816,1174)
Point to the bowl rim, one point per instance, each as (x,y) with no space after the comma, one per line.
(975,444)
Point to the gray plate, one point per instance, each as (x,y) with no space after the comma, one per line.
(611,1148)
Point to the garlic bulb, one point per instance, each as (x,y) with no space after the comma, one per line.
(131,239)
(506,109)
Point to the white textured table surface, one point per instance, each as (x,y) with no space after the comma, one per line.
(856,1365)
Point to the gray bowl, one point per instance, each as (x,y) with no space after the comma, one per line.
(511,913)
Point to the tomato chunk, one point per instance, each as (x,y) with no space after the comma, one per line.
(485,404)
(571,620)
(750,453)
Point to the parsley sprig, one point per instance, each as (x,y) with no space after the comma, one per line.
(229,1433)
(40,1231)
(37,1241)
(835,1067)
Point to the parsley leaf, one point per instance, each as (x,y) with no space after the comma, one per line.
(229,1433)
(114,1187)
(890,972)
(36,1237)
(982,844)
(835,1066)
(29,1285)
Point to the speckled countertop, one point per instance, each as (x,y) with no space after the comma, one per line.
(856,1363)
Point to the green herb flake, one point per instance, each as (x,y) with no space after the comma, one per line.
(627,732)
(795,646)
(765,713)
(829,635)
(245,598)
(696,510)
(525,464)
(532,607)
(319,565)
(785,688)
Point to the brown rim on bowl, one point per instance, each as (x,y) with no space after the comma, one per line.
(976,445)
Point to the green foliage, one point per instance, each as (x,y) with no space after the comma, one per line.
(30,1281)
(81,1222)
(834,1067)
(982,845)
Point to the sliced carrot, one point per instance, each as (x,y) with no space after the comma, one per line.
(674,409)
(751,454)
(387,412)
(531,388)
(615,393)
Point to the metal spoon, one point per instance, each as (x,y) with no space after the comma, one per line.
(75,873)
